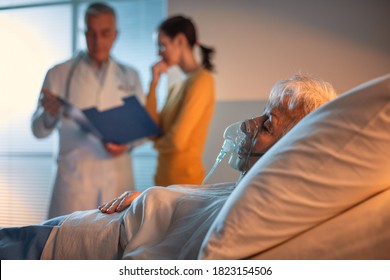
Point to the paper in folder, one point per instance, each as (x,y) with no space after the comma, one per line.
(122,124)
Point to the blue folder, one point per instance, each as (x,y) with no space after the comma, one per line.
(123,124)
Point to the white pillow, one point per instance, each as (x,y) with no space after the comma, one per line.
(335,157)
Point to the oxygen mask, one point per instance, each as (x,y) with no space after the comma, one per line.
(239,158)
(233,135)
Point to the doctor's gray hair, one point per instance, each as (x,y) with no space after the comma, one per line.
(299,95)
(98,8)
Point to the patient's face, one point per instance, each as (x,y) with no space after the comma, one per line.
(261,133)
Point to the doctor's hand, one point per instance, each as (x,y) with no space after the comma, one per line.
(115,149)
(157,69)
(50,103)
(120,203)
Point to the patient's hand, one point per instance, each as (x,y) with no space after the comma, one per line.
(119,204)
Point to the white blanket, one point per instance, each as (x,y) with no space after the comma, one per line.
(162,223)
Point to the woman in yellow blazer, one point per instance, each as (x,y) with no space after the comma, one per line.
(186,115)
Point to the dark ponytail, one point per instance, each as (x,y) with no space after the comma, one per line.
(207,54)
(180,24)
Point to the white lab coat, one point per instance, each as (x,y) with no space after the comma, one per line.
(86,174)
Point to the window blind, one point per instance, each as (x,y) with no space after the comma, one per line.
(35,37)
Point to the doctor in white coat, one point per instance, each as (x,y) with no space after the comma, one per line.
(88,170)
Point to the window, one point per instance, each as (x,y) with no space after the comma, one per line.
(35,36)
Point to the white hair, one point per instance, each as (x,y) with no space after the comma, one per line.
(299,95)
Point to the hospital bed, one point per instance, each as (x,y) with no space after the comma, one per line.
(321,192)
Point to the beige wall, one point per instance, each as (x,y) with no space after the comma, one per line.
(261,41)
(258,42)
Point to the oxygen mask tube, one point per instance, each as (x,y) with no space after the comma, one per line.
(231,140)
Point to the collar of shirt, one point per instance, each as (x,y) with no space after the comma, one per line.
(100,73)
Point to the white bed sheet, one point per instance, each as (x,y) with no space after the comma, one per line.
(163,223)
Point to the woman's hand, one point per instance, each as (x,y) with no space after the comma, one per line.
(50,103)
(115,149)
(157,69)
(120,203)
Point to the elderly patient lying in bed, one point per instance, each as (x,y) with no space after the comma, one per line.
(171,223)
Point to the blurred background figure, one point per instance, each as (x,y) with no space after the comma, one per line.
(186,115)
(88,170)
